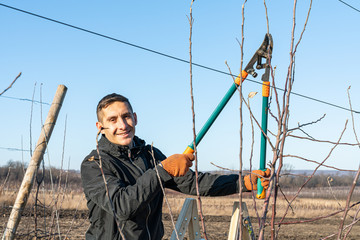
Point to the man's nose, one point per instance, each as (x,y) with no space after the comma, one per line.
(122,124)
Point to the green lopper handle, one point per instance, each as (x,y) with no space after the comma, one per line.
(264,120)
(216,113)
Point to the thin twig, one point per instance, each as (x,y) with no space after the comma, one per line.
(286,199)
(22,155)
(352,224)
(31,114)
(355,178)
(6,178)
(324,141)
(352,118)
(348,203)
(317,218)
(329,180)
(240,219)
(258,124)
(250,160)
(191,21)
(306,124)
(348,226)
(293,174)
(164,193)
(323,165)
(303,131)
(72,221)
(305,24)
(237,170)
(327,157)
(11,84)
(61,190)
(106,186)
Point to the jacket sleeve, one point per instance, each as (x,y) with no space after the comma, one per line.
(126,199)
(209,184)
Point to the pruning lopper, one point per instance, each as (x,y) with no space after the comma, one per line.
(264,51)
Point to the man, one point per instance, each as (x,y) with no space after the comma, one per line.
(131,208)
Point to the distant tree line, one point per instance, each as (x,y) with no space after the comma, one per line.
(12,174)
(335,179)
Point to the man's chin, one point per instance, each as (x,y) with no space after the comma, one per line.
(124,141)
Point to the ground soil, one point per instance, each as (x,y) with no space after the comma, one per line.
(217,227)
(73,225)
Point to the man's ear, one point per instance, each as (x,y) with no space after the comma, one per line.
(99,126)
(135,118)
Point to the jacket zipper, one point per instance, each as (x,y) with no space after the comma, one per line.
(132,162)
(147,218)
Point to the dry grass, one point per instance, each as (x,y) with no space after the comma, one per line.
(217,212)
(69,200)
(223,206)
(215,206)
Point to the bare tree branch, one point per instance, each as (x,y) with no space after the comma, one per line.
(240,219)
(348,226)
(352,118)
(323,165)
(164,193)
(306,124)
(324,141)
(106,186)
(355,178)
(353,223)
(346,210)
(305,24)
(11,84)
(317,218)
(6,178)
(191,21)
(327,157)
(329,180)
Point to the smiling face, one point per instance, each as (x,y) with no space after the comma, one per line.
(118,122)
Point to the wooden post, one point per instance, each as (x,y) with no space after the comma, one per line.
(35,161)
(248,233)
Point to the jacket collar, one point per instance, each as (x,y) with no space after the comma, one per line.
(118,150)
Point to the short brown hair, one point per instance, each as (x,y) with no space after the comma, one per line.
(109,99)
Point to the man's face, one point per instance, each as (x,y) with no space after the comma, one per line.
(118,123)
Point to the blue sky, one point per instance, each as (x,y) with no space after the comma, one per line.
(50,54)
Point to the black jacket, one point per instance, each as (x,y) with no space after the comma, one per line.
(134,190)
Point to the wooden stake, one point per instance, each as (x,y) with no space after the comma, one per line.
(35,161)
(248,233)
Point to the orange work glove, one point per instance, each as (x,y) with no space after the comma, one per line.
(178,164)
(251,183)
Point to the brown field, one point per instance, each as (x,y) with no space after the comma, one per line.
(71,218)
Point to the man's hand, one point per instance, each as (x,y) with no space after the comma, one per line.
(251,183)
(178,164)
